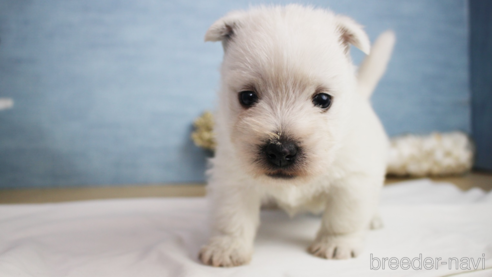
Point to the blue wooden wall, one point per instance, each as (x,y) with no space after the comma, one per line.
(481,80)
(106,91)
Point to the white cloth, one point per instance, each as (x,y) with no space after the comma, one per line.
(161,237)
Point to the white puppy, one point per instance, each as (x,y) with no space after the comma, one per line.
(294,125)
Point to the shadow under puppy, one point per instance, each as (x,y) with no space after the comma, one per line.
(294,124)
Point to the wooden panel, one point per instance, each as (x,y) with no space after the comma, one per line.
(481,80)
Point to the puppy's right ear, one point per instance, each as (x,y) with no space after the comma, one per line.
(352,33)
(224,28)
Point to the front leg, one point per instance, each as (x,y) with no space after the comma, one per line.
(235,218)
(351,205)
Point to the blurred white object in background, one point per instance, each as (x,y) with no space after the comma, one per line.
(6,103)
(434,154)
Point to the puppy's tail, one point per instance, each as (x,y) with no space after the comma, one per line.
(374,65)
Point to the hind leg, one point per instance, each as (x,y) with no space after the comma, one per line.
(376,222)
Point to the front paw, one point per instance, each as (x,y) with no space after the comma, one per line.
(225,251)
(337,246)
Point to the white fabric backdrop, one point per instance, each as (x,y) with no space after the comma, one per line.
(161,237)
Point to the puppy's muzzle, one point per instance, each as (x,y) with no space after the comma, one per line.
(281,154)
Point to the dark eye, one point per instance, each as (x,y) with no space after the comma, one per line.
(322,100)
(247,98)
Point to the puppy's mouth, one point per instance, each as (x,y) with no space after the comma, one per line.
(280,175)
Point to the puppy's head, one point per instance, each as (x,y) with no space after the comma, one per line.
(287,87)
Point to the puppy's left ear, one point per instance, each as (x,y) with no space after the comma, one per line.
(224,28)
(352,33)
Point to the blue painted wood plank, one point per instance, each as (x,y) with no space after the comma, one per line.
(481,80)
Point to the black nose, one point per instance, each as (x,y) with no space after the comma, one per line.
(281,154)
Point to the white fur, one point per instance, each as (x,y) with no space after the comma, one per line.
(435,154)
(373,67)
(287,53)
